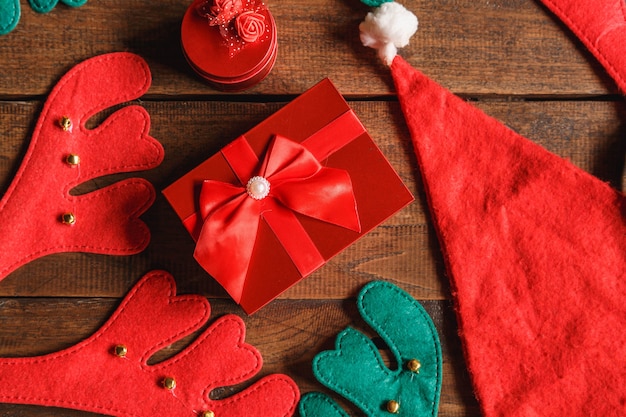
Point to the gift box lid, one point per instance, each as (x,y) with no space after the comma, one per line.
(378,190)
(220,57)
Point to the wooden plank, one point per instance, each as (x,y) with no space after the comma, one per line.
(500,47)
(510,57)
(288,334)
(404,249)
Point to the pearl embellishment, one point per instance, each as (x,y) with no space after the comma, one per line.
(258,188)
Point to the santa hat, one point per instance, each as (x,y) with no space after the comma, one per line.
(535,249)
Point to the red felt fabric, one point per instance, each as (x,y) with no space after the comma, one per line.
(90,377)
(536,253)
(321,120)
(601,26)
(299,183)
(41,192)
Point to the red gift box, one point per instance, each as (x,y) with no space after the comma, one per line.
(329,184)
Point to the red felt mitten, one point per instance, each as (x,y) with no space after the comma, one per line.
(108,373)
(46,217)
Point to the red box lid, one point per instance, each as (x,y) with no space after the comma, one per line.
(208,53)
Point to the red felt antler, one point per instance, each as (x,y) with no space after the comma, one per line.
(109,372)
(45,217)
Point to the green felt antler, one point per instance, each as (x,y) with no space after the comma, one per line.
(45,6)
(10,10)
(355,369)
(374,3)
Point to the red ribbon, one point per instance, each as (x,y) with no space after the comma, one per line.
(298,184)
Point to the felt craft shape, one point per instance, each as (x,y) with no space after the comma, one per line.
(374,3)
(534,247)
(601,26)
(109,373)
(10,11)
(535,251)
(355,369)
(46,215)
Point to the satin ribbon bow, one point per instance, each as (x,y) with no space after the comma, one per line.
(297,183)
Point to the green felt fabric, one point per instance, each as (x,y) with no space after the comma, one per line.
(44,6)
(10,10)
(9,15)
(314,404)
(375,3)
(355,369)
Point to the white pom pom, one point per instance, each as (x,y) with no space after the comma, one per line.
(388,28)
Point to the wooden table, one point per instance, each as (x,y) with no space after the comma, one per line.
(511,58)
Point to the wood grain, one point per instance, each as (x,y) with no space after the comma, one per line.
(499,47)
(403,250)
(511,58)
(288,334)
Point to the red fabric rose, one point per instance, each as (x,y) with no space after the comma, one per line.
(220,12)
(250,26)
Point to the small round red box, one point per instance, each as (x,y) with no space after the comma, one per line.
(211,56)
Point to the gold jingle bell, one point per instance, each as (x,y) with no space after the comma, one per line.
(169,383)
(414,365)
(68,218)
(393,407)
(120,351)
(72,159)
(65,123)
(208,413)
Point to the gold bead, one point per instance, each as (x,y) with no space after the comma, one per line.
(208,413)
(169,383)
(68,218)
(414,366)
(72,159)
(65,123)
(393,407)
(121,351)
